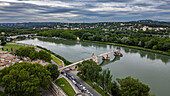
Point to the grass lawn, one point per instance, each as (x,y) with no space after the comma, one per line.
(13,46)
(56,60)
(67,87)
(97,88)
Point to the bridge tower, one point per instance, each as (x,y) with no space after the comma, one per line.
(94,58)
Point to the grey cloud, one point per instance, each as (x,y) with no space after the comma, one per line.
(17,11)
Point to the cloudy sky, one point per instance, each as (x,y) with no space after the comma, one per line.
(83,10)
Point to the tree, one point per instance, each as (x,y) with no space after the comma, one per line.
(34,55)
(24,79)
(115,91)
(166,46)
(133,87)
(24,51)
(151,43)
(154,47)
(90,70)
(105,80)
(45,56)
(3,43)
(53,69)
(68,35)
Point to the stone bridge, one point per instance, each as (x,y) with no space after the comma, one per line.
(94,58)
(24,35)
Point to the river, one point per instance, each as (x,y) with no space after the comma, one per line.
(150,68)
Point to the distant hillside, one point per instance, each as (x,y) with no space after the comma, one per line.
(151,22)
(27,24)
(32,24)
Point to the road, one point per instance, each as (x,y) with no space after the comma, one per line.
(91,90)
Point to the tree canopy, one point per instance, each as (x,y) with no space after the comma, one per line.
(53,69)
(90,70)
(24,79)
(133,87)
(33,54)
(105,80)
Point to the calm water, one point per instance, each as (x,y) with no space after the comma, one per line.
(150,68)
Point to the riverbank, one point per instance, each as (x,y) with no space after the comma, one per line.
(134,47)
(128,46)
(66,62)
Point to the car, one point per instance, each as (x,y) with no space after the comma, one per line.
(79,87)
(72,77)
(64,74)
(90,94)
(69,77)
(63,71)
(74,82)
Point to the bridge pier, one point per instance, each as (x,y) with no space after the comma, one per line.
(117,53)
(95,59)
(106,57)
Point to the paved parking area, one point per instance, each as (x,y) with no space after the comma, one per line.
(84,84)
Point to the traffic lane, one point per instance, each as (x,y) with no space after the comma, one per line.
(91,90)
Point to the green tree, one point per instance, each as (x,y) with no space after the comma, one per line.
(45,56)
(90,70)
(34,55)
(151,43)
(154,47)
(24,79)
(133,87)
(115,91)
(166,46)
(24,51)
(53,69)
(68,35)
(3,43)
(105,80)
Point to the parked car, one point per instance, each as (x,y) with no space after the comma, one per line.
(90,94)
(74,82)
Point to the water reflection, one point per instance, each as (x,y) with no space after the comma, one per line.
(149,55)
(104,62)
(72,42)
(65,42)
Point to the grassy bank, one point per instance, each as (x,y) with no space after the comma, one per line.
(134,47)
(11,46)
(66,62)
(56,60)
(65,86)
(96,87)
